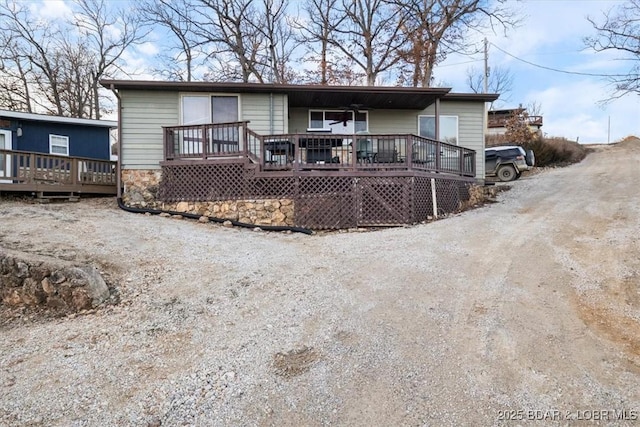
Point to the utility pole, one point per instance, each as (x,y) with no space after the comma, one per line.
(486,65)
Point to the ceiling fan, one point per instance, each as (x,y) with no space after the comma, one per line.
(345,117)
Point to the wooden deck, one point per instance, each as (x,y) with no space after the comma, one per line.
(333,154)
(22,171)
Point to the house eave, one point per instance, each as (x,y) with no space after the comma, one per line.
(305,96)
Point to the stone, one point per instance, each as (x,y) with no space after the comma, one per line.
(80,299)
(227,224)
(177,217)
(12,298)
(165,215)
(182,207)
(203,219)
(21,269)
(47,287)
(257,229)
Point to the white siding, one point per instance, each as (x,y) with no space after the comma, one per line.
(143,115)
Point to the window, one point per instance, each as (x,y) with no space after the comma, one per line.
(203,109)
(335,120)
(59,145)
(448,128)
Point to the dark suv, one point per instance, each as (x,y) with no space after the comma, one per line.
(507,162)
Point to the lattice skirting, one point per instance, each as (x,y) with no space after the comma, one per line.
(320,202)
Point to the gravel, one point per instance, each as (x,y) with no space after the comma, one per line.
(530,304)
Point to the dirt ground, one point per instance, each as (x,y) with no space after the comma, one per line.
(527,309)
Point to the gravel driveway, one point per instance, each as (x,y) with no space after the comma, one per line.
(527,308)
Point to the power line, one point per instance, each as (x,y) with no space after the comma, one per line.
(556,69)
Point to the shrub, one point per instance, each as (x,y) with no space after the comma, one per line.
(549,151)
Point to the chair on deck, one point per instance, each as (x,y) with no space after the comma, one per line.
(364,150)
(387,152)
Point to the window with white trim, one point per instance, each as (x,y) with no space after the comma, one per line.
(59,145)
(335,120)
(448,128)
(204,109)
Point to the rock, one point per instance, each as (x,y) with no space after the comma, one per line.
(203,219)
(21,269)
(227,224)
(257,229)
(177,216)
(47,287)
(182,207)
(165,215)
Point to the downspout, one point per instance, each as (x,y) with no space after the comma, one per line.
(118,145)
(271,125)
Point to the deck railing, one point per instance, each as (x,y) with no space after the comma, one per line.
(318,151)
(23,168)
(204,141)
(502,120)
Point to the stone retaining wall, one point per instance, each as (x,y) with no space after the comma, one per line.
(141,187)
(58,285)
(259,212)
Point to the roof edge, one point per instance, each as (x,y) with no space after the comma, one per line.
(486,97)
(57,119)
(259,87)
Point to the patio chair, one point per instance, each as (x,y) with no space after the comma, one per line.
(387,152)
(364,150)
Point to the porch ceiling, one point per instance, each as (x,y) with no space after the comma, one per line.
(306,96)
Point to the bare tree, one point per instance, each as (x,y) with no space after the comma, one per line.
(96,22)
(433,29)
(177,18)
(315,32)
(227,26)
(32,55)
(370,36)
(55,66)
(619,31)
(500,81)
(280,40)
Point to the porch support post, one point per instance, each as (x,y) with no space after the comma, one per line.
(437,118)
(354,148)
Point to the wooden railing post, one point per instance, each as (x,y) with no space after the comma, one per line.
(32,168)
(75,171)
(296,152)
(205,142)
(409,147)
(438,156)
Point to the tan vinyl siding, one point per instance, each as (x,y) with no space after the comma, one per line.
(143,115)
(256,108)
(393,121)
(471,126)
(298,120)
(145,112)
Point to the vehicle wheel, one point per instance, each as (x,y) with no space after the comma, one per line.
(506,173)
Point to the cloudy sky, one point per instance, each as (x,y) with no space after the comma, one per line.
(551,35)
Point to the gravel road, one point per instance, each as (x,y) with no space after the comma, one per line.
(526,308)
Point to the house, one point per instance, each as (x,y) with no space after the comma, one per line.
(497,120)
(64,136)
(53,156)
(306,155)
